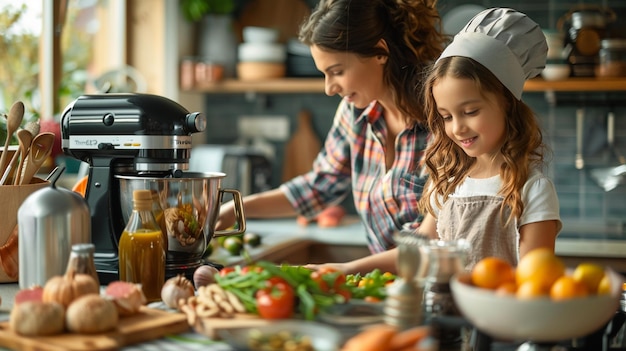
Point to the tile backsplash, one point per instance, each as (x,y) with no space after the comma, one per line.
(580,196)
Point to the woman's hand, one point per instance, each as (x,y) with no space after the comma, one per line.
(226,217)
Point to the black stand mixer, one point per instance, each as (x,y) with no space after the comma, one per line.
(124,134)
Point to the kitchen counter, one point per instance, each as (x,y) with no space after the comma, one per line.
(307,244)
(279,237)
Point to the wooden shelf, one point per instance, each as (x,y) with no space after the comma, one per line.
(282,85)
(316,85)
(577,84)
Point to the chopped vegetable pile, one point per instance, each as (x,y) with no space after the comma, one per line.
(281,291)
(276,292)
(371,286)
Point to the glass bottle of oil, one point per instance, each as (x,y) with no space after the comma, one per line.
(142,248)
(159,216)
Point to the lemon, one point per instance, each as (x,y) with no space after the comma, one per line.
(604,288)
(590,274)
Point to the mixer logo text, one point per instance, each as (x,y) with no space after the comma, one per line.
(86,143)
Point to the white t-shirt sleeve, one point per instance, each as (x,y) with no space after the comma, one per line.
(541,202)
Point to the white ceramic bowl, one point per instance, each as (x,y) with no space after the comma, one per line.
(262,52)
(556,71)
(538,320)
(252,34)
(323,337)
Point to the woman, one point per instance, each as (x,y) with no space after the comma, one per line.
(372,53)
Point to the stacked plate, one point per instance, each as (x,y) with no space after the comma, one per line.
(261,56)
(299,60)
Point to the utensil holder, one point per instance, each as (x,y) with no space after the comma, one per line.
(12,197)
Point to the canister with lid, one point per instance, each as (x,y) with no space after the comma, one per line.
(612,58)
(50,221)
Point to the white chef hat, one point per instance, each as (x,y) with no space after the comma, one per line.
(507,42)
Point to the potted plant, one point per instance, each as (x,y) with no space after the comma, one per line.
(217,42)
(195,10)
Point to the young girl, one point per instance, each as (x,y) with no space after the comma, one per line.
(484,161)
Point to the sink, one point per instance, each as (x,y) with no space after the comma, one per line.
(298,251)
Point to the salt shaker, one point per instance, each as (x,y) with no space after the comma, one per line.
(81,260)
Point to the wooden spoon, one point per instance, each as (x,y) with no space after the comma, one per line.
(14,119)
(40,149)
(24,138)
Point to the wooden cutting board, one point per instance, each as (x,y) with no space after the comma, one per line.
(211,326)
(146,325)
(302,149)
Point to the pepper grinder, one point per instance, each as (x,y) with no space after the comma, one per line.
(403,305)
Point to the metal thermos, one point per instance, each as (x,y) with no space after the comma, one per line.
(50,221)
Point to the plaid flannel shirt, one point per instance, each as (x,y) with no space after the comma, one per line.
(353,159)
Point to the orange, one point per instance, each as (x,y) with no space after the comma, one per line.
(568,287)
(491,272)
(507,289)
(541,266)
(590,274)
(604,287)
(531,289)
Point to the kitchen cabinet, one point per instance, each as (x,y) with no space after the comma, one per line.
(316,85)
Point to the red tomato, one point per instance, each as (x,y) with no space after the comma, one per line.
(347,295)
(329,279)
(319,279)
(276,301)
(248,269)
(371,299)
(224,271)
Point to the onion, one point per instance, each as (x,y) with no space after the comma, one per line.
(175,289)
(204,275)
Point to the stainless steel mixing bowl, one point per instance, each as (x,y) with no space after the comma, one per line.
(190,205)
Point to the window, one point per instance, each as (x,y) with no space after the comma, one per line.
(47,71)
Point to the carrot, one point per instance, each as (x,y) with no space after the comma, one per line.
(375,338)
(409,338)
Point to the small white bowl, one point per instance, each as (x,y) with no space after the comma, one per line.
(556,71)
(323,337)
(252,34)
(262,52)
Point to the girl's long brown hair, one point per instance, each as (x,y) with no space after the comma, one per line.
(448,165)
(411,29)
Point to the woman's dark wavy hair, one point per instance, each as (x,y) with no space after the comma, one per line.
(523,148)
(411,29)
